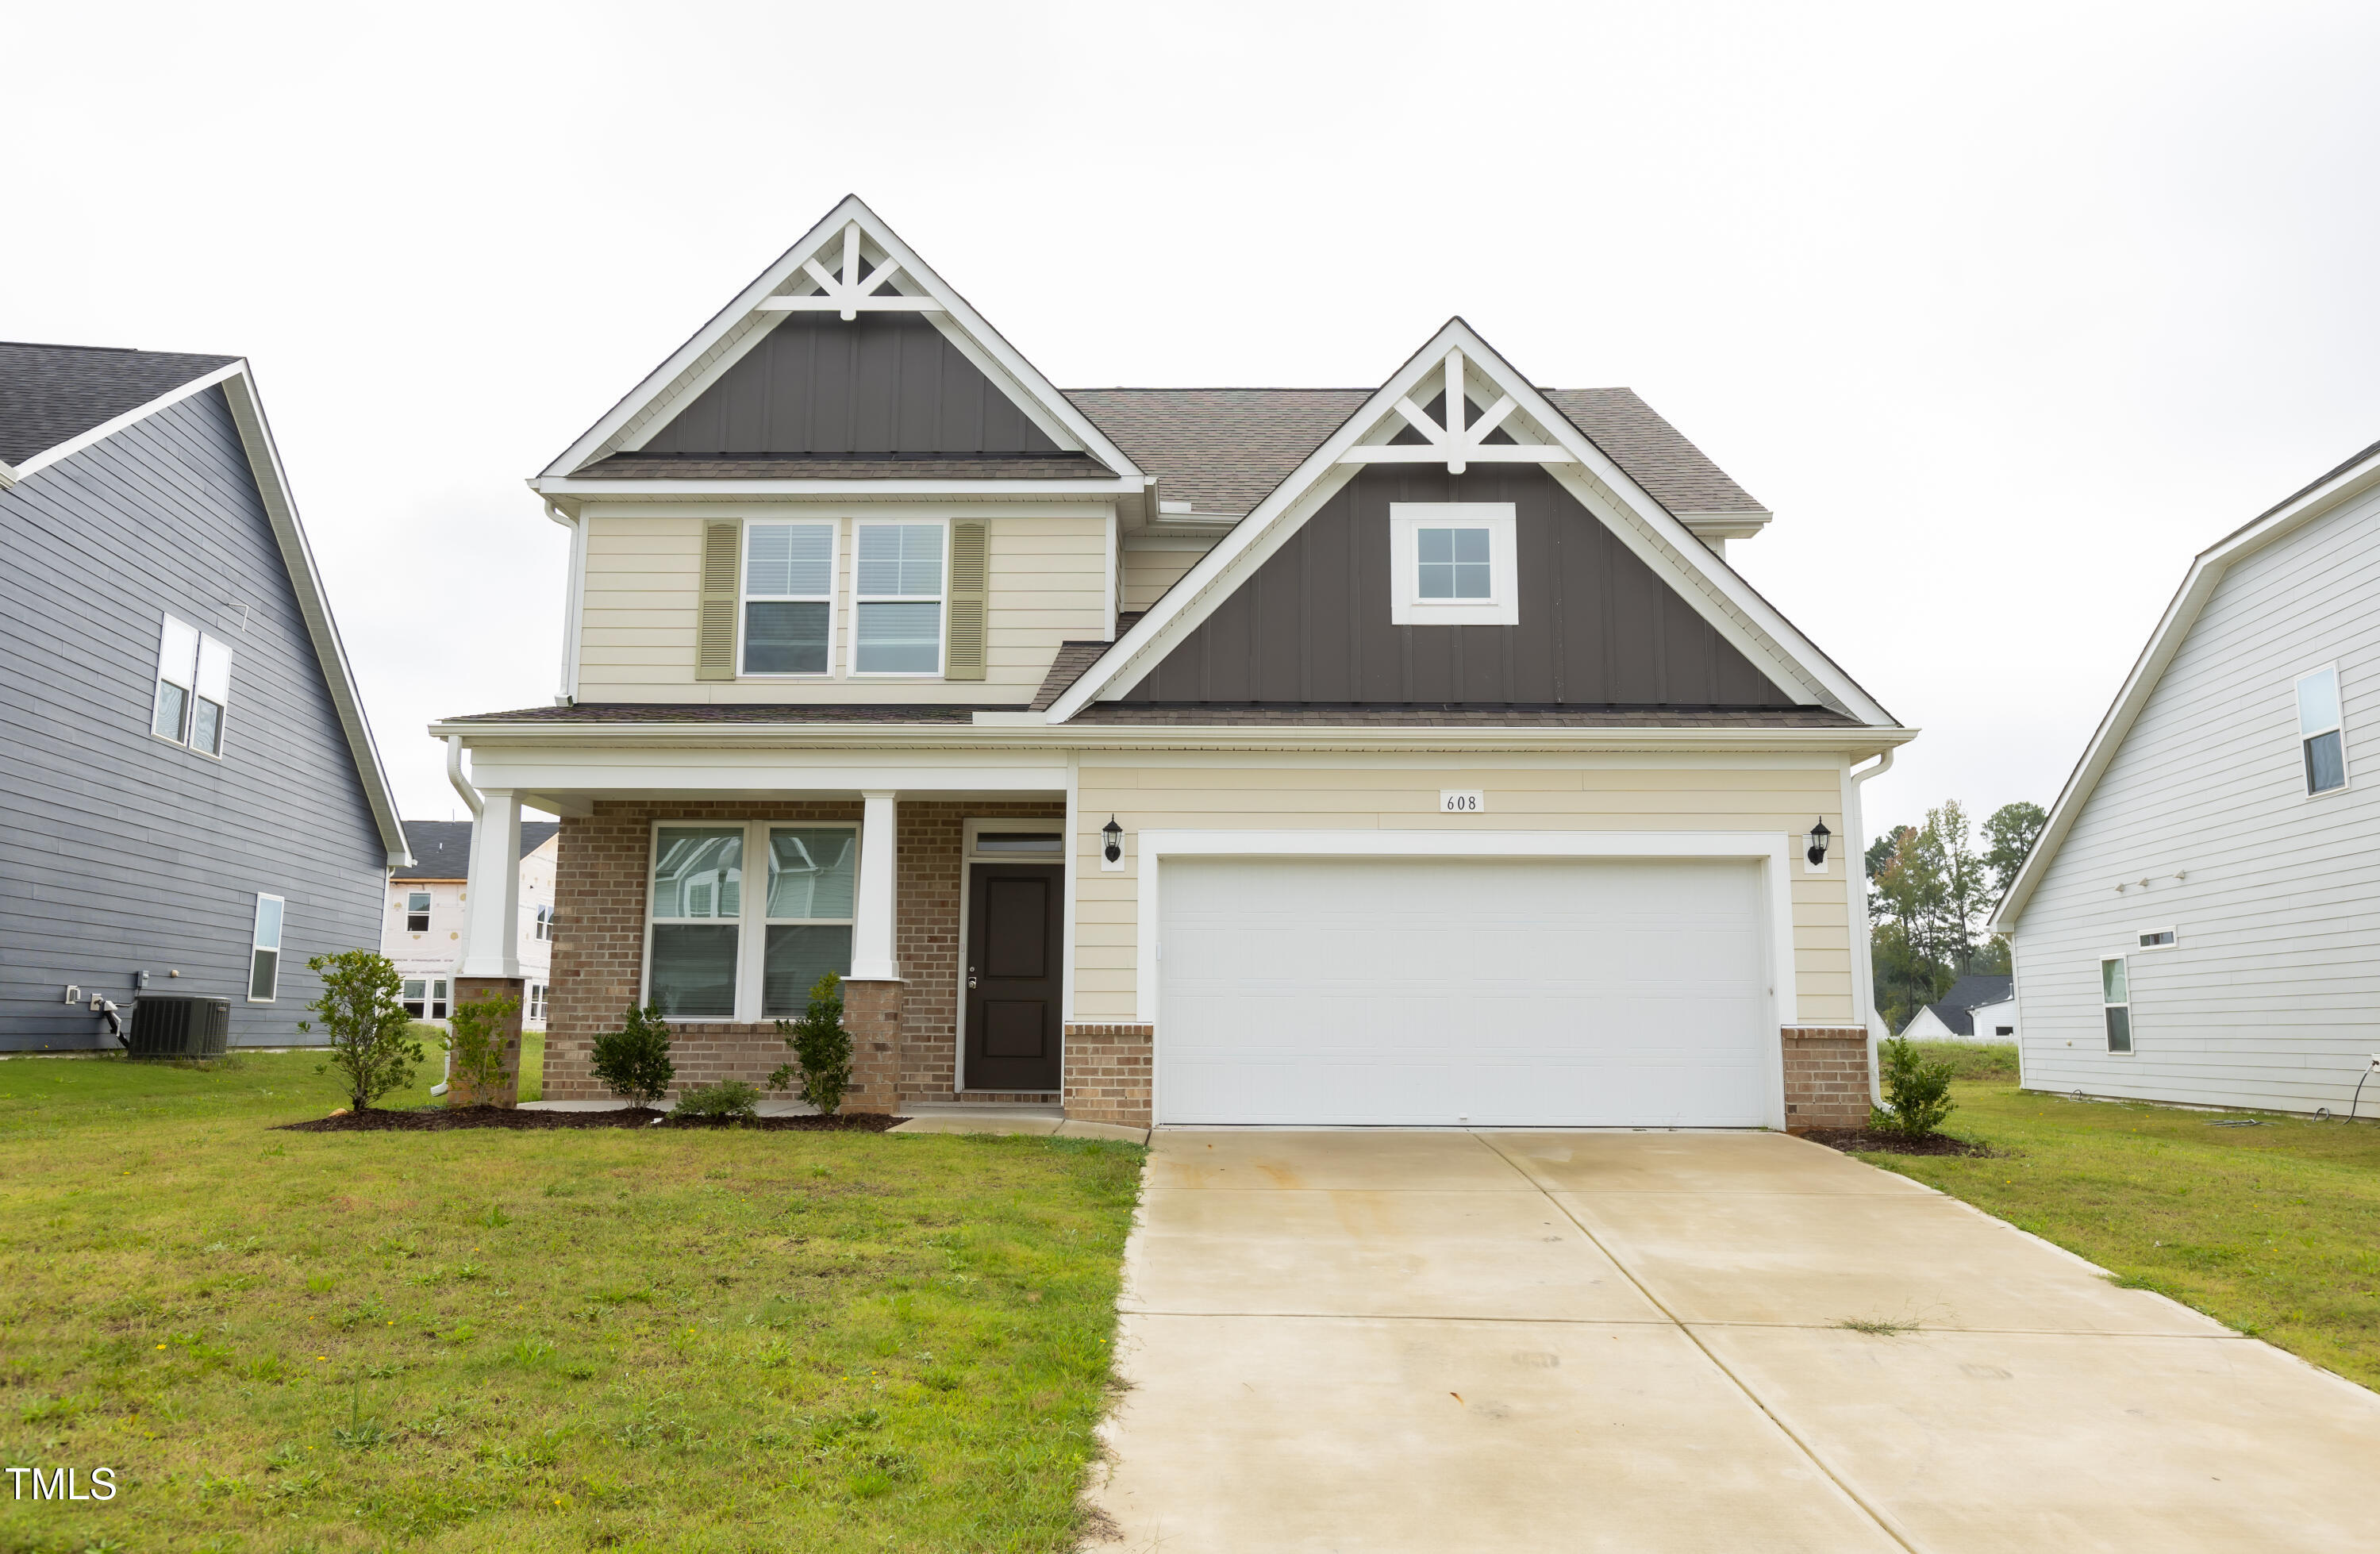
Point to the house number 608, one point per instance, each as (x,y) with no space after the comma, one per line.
(1461,801)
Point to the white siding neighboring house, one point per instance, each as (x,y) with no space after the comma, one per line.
(1979,1008)
(2200,921)
(423,931)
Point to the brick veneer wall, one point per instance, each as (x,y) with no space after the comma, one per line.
(1826,1078)
(1108,1072)
(599,944)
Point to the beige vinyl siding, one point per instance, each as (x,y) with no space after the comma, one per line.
(1048,583)
(2271,997)
(1153,564)
(1375,795)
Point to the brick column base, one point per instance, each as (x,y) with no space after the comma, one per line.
(871,1012)
(1826,1078)
(1109,1073)
(505,1091)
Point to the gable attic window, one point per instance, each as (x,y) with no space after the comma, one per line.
(897,599)
(2321,733)
(1453,563)
(193,687)
(788,597)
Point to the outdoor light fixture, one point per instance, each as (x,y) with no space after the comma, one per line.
(1819,837)
(1113,851)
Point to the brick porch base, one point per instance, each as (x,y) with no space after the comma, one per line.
(1108,1071)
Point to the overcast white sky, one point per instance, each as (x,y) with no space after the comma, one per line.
(2005,311)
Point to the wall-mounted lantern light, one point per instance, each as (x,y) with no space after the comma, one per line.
(1113,851)
(1819,837)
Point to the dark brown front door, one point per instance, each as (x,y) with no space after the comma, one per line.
(1015,921)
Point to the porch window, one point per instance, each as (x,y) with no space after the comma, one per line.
(811,877)
(788,597)
(696,907)
(897,599)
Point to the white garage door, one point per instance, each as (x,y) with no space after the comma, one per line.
(1554,993)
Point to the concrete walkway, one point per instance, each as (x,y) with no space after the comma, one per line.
(1634,1341)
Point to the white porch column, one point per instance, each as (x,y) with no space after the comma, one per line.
(492,933)
(871,932)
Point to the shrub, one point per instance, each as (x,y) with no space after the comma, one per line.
(479,1043)
(729,1097)
(821,1065)
(634,1060)
(1917,1090)
(371,1039)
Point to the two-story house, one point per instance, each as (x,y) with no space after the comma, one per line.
(429,901)
(2200,920)
(192,801)
(1407,754)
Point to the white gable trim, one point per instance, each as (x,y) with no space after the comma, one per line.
(12,475)
(1748,622)
(733,331)
(2206,571)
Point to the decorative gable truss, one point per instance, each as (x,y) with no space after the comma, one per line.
(848,264)
(1517,425)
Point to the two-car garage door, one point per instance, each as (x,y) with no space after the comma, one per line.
(1435,991)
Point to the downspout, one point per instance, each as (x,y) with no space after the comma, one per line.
(1864,960)
(573,605)
(471,797)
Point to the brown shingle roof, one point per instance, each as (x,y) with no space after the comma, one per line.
(1074,658)
(732,712)
(769,466)
(1224,450)
(1370,715)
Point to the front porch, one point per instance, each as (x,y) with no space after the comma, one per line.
(905,955)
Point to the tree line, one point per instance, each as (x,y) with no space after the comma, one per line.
(1930,890)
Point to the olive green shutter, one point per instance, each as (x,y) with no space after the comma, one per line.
(966,652)
(714,631)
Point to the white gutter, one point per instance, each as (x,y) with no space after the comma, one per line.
(1863,949)
(455,775)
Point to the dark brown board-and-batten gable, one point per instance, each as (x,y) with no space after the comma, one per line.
(886,382)
(1597,627)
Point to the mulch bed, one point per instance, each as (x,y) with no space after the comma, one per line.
(1855,1140)
(440,1119)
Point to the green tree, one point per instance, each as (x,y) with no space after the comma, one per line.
(821,1065)
(370,1036)
(633,1061)
(2009,836)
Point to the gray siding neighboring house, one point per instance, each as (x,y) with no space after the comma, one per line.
(128,496)
(2245,908)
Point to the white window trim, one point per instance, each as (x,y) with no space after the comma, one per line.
(2296,721)
(834,526)
(280,938)
(405,909)
(1406,607)
(2131,1031)
(968,858)
(191,692)
(752,928)
(2145,948)
(855,599)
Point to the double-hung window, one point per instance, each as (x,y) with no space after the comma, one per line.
(416,911)
(2116,1002)
(193,687)
(1453,563)
(264,952)
(536,1013)
(897,599)
(711,957)
(424,997)
(788,597)
(545,923)
(2321,734)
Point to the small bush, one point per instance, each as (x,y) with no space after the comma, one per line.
(482,1039)
(371,1035)
(634,1060)
(1917,1090)
(729,1097)
(821,1065)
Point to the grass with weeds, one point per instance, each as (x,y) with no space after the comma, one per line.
(548,1341)
(2274,1229)
(1974,1060)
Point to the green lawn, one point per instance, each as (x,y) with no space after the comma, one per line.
(2274,1229)
(495,1340)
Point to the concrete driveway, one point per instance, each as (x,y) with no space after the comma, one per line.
(1378,1342)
